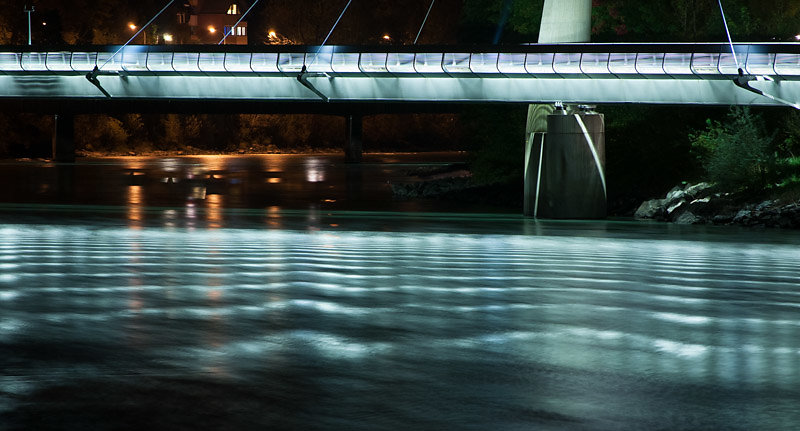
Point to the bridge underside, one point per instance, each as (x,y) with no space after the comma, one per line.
(119,105)
(417,90)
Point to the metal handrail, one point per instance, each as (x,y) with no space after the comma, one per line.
(782,58)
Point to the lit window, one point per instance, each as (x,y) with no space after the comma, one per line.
(234,9)
(241,31)
(227,30)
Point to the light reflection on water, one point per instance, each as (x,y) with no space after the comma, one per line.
(376,329)
(249,286)
(151,189)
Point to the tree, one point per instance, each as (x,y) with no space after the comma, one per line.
(694,20)
(737,154)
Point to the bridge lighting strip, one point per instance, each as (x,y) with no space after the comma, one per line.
(757,59)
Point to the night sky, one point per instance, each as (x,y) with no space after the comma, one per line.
(367,22)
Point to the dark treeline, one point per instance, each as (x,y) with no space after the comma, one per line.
(30,135)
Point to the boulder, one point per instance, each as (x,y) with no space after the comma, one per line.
(676,193)
(764,205)
(674,196)
(743,216)
(687,217)
(725,218)
(698,191)
(674,206)
(650,209)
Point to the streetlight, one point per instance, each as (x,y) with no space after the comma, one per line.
(28,9)
(167,38)
(211,29)
(135,27)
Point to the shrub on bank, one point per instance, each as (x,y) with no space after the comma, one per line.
(737,154)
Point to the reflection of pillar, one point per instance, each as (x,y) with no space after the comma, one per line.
(64,138)
(570,167)
(65,183)
(354,138)
(355,183)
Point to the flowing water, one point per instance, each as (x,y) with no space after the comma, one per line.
(150,305)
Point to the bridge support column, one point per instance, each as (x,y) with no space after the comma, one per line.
(566,21)
(565,153)
(354,142)
(64,138)
(565,168)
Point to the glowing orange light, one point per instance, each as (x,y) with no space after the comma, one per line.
(211,29)
(132,26)
(387,37)
(272,34)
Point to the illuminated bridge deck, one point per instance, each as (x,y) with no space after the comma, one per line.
(573,73)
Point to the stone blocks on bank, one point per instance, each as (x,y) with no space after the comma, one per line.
(702,204)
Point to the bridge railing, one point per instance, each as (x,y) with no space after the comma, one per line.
(676,61)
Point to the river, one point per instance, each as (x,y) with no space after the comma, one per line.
(292,292)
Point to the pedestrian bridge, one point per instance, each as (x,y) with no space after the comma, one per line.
(669,73)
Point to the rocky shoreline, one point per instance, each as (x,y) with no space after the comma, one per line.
(702,203)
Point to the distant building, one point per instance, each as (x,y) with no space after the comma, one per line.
(210,20)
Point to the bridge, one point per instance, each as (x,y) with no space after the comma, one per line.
(578,73)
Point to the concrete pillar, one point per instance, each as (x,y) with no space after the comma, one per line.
(354,143)
(64,138)
(533,167)
(571,180)
(565,21)
(565,166)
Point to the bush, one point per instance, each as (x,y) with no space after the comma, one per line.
(104,132)
(737,154)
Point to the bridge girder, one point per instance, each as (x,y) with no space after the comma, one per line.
(266,93)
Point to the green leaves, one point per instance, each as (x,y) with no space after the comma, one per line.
(736,154)
(694,20)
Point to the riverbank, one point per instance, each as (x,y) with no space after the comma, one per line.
(455,182)
(191,151)
(704,203)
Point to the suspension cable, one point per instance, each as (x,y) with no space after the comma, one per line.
(330,32)
(230,31)
(727,30)
(743,81)
(137,33)
(424,21)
